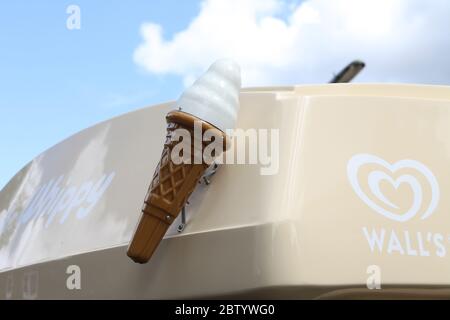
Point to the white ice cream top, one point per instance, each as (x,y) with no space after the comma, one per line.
(214,97)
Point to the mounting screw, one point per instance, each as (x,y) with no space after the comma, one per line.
(181,227)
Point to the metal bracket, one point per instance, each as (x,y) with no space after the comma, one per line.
(183,220)
(208,175)
(206,179)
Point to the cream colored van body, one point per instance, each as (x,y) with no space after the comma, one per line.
(360,199)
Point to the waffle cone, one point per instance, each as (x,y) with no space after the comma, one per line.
(171,186)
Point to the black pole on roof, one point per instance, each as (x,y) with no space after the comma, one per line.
(349,72)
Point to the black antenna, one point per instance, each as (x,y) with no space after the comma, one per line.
(349,72)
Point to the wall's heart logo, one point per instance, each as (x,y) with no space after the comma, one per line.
(378,201)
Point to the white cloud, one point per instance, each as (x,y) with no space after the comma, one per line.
(277,42)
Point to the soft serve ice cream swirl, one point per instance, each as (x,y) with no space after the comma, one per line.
(214,97)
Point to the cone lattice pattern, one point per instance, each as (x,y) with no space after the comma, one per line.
(168,179)
(171,186)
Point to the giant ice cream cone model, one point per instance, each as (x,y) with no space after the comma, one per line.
(211,104)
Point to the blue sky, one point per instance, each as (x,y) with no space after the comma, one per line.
(130,54)
(55,82)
